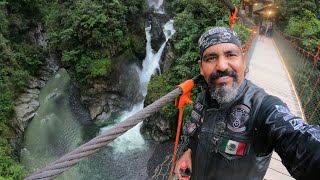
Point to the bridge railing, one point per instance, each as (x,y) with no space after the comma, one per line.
(304,70)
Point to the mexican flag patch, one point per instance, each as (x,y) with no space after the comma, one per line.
(232,147)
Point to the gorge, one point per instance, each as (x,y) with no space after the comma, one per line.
(62,123)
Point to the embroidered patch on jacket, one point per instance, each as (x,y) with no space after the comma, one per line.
(232,147)
(288,117)
(304,128)
(314,133)
(238,117)
(195,116)
(296,123)
(198,106)
(282,109)
(189,128)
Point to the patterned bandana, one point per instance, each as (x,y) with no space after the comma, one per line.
(218,35)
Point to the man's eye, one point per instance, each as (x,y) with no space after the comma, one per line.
(230,55)
(212,58)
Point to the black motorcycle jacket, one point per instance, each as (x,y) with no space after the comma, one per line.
(236,140)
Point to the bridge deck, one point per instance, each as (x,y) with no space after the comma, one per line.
(266,69)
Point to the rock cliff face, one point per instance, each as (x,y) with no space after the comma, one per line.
(110,95)
(27,103)
(157,128)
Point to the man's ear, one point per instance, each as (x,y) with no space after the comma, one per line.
(200,66)
(244,57)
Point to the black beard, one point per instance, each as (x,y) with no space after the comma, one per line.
(220,92)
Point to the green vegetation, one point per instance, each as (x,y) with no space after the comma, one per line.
(301,19)
(306,27)
(88,36)
(93,34)
(18,59)
(191,19)
(9,169)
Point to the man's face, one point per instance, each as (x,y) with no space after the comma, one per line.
(223,66)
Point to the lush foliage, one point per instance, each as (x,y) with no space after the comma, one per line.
(9,169)
(93,33)
(301,19)
(191,19)
(307,28)
(18,59)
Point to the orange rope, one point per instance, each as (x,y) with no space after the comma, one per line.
(181,102)
(233,16)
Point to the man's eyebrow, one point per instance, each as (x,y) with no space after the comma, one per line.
(232,51)
(209,55)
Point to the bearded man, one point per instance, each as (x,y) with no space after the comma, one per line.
(235,125)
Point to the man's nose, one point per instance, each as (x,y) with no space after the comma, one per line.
(221,65)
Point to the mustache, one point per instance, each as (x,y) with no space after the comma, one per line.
(215,75)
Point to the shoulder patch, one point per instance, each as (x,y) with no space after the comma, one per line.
(195,116)
(189,128)
(198,106)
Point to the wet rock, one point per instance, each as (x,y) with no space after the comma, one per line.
(27,103)
(157,21)
(95,110)
(115,93)
(42,83)
(33,91)
(33,83)
(157,128)
(168,57)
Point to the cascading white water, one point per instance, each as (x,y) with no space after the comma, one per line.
(132,139)
(151,62)
(157,4)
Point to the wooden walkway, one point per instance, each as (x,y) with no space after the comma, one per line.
(267,70)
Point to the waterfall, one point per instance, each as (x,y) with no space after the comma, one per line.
(157,4)
(132,139)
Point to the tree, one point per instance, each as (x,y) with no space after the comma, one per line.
(306,27)
(301,20)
